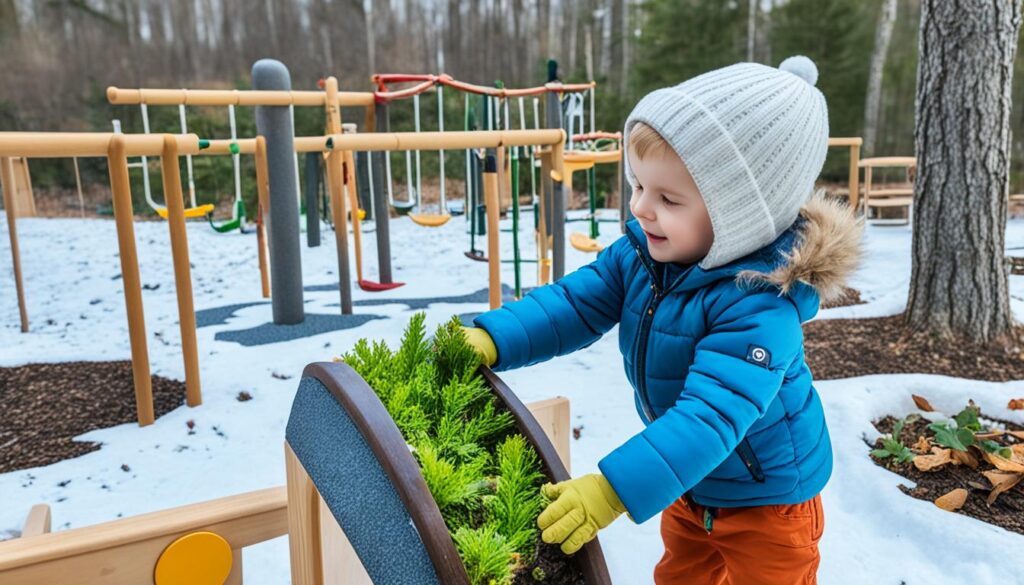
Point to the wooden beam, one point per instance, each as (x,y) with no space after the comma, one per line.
(553,416)
(124,552)
(304,543)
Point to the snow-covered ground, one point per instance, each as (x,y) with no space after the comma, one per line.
(874,534)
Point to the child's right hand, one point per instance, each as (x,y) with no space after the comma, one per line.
(482,343)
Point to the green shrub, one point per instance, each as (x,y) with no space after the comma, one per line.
(484,477)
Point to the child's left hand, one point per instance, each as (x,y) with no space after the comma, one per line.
(579,508)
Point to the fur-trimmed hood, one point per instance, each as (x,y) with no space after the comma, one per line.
(825,250)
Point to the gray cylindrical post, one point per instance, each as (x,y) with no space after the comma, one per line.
(380,200)
(275,124)
(556,217)
(313,199)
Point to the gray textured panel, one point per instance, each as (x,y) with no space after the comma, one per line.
(356,488)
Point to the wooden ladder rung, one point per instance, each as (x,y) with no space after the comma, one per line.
(893,202)
(890,192)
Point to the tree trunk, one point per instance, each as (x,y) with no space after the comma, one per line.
(626,40)
(371,38)
(752,28)
(883,34)
(959,277)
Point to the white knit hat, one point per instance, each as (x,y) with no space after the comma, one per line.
(754,139)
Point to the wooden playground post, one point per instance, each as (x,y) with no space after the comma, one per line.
(174,200)
(335,179)
(493,254)
(543,238)
(9,186)
(117,161)
(853,143)
(854,175)
(263,192)
(352,189)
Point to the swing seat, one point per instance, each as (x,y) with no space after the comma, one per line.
(476,255)
(403,207)
(584,243)
(370,286)
(430,219)
(362,215)
(190,212)
(236,223)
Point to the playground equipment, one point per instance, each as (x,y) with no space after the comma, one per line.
(853,143)
(202,543)
(586,148)
(498,140)
(20,185)
(116,148)
(285,263)
(893,198)
(415,200)
(585,159)
(495,109)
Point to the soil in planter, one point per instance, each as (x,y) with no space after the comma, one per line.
(844,348)
(43,407)
(549,566)
(1007,511)
(483,475)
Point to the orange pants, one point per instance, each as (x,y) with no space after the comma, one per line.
(769,545)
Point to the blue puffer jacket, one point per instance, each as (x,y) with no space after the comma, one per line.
(715,359)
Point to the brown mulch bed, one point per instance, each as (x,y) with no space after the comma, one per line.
(851,296)
(1008,509)
(844,348)
(44,406)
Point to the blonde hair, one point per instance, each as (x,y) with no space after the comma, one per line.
(643,139)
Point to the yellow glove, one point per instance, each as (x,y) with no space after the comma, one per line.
(579,508)
(482,342)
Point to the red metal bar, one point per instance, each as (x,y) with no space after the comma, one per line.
(596,136)
(428,80)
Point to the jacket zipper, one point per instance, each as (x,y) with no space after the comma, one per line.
(641,351)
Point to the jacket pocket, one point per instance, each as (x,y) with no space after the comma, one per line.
(749,459)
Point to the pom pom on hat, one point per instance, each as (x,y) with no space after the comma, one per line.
(802,67)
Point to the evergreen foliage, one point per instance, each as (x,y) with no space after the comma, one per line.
(483,476)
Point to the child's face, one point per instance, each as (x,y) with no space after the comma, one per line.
(670,208)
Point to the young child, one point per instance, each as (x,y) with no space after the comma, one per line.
(729,253)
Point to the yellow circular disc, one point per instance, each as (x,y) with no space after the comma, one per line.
(200,558)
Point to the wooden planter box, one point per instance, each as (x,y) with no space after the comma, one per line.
(348,464)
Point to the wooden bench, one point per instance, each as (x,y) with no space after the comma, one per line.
(900,197)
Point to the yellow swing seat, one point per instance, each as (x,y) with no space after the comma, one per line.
(190,212)
(584,243)
(430,219)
